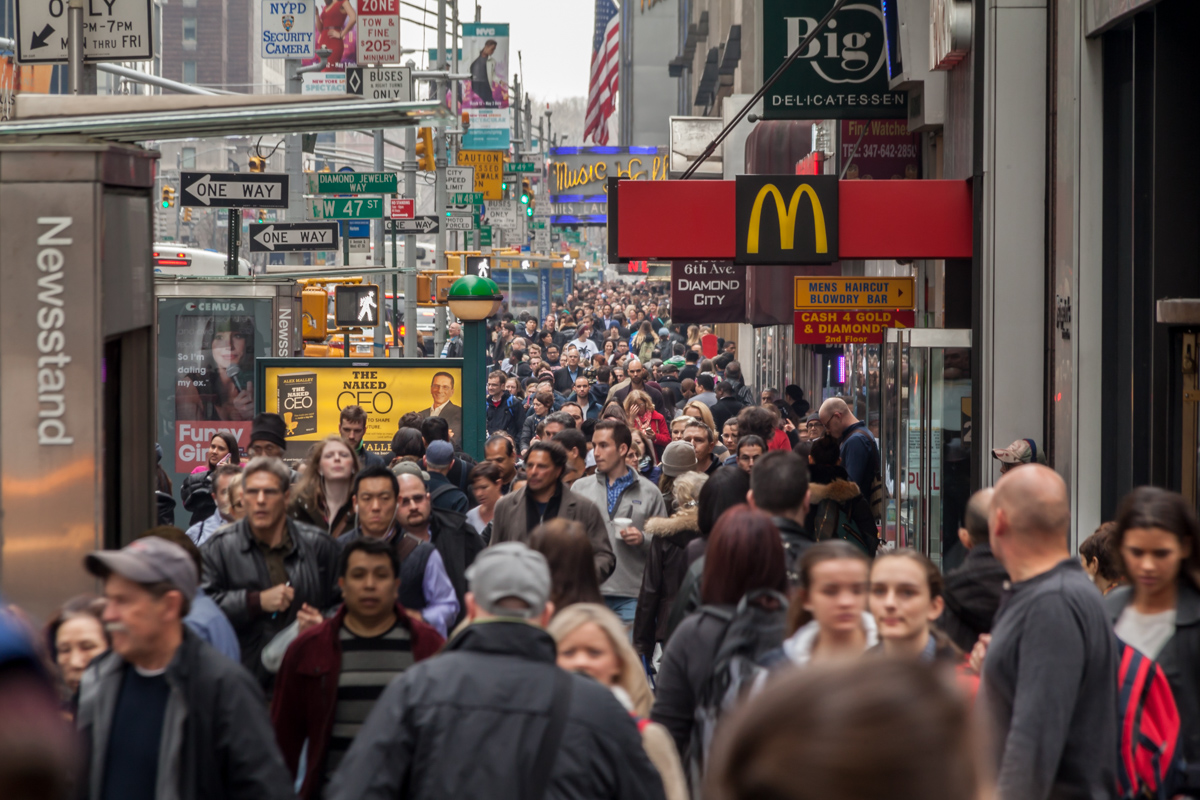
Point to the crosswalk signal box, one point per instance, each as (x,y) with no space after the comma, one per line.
(357,305)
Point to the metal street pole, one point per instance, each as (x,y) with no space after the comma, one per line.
(410,247)
(293,161)
(439,191)
(474,386)
(379,260)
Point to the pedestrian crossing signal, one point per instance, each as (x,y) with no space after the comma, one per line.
(356,305)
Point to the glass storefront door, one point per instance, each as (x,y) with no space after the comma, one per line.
(924,399)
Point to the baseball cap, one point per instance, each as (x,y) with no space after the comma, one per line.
(678,458)
(510,569)
(439,453)
(410,468)
(1022,451)
(148,560)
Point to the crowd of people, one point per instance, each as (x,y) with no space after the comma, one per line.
(658,583)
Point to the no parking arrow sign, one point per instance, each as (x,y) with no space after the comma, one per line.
(113,30)
(233,190)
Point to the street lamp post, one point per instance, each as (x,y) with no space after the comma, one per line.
(473,299)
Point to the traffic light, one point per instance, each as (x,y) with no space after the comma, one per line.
(262,216)
(315,305)
(527,197)
(258,164)
(168,196)
(425,150)
(187,215)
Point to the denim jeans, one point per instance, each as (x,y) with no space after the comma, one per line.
(623,607)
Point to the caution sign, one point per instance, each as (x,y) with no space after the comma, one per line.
(848,327)
(489,171)
(858,293)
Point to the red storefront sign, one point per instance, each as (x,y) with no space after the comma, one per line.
(848,326)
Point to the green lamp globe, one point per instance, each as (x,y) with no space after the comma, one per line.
(474,298)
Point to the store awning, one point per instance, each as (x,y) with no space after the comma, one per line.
(696,219)
(137,118)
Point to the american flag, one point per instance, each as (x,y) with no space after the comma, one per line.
(602,87)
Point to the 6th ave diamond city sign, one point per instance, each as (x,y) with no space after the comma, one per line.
(843,71)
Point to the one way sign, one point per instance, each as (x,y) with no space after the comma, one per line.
(234,190)
(426,224)
(293,237)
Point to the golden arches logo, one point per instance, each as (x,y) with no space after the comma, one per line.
(787,218)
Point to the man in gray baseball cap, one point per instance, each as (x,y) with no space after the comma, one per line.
(163,712)
(518,720)
(511,581)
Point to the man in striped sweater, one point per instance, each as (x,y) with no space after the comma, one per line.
(333,673)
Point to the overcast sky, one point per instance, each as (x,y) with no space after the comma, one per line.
(553,36)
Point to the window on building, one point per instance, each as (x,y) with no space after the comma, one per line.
(189,31)
(189,3)
(188,159)
(189,72)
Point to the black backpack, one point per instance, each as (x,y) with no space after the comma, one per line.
(833,521)
(756,627)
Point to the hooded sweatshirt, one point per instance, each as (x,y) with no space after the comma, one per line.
(799,648)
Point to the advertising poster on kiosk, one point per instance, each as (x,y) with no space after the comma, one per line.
(310,393)
(206,353)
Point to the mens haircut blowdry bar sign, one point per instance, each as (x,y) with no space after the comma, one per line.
(708,291)
(786,219)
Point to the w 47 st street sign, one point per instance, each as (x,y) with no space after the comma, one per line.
(346,208)
(233,190)
(113,30)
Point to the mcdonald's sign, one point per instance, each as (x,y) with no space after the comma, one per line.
(786,219)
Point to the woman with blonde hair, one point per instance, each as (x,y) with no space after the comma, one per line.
(592,640)
(693,335)
(700,411)
(644,342)
(322,495)
(641,416)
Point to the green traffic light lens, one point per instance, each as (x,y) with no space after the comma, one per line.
(525,199)
(166,203)
(529,212)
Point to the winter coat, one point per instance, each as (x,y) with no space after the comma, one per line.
(196,493)
(529,429)
(741,391)
(666,565)
(641,501)
(469,724)
(515,518)
(235,573)
(217,742)
(824,486)
(972,595)
(687,663)
(507,416)
(307,685)
(458,544)
(343,521)
(725,409)
(1180,662)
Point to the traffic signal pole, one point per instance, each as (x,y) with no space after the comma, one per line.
(410,247)
(439,191)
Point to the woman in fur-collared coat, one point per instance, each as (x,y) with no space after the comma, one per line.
(827,480)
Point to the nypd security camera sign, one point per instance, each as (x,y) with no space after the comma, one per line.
(842,73)
(288,30)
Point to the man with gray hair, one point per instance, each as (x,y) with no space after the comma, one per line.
(860,454)
(163,714)
(519,724)
(298,560)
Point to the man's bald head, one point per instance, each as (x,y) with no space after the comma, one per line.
(835,416)
(1032,500)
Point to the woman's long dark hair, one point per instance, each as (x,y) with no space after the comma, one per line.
(231,444)
(745,552)
(568,552)
(1152,507)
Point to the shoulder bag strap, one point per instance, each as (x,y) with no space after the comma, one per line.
(552,739)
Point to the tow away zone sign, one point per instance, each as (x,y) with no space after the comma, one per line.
(293,237)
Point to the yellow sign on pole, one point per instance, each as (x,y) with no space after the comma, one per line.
(489,170)
(893,293)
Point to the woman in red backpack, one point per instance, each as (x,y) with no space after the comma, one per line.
(1157,539)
